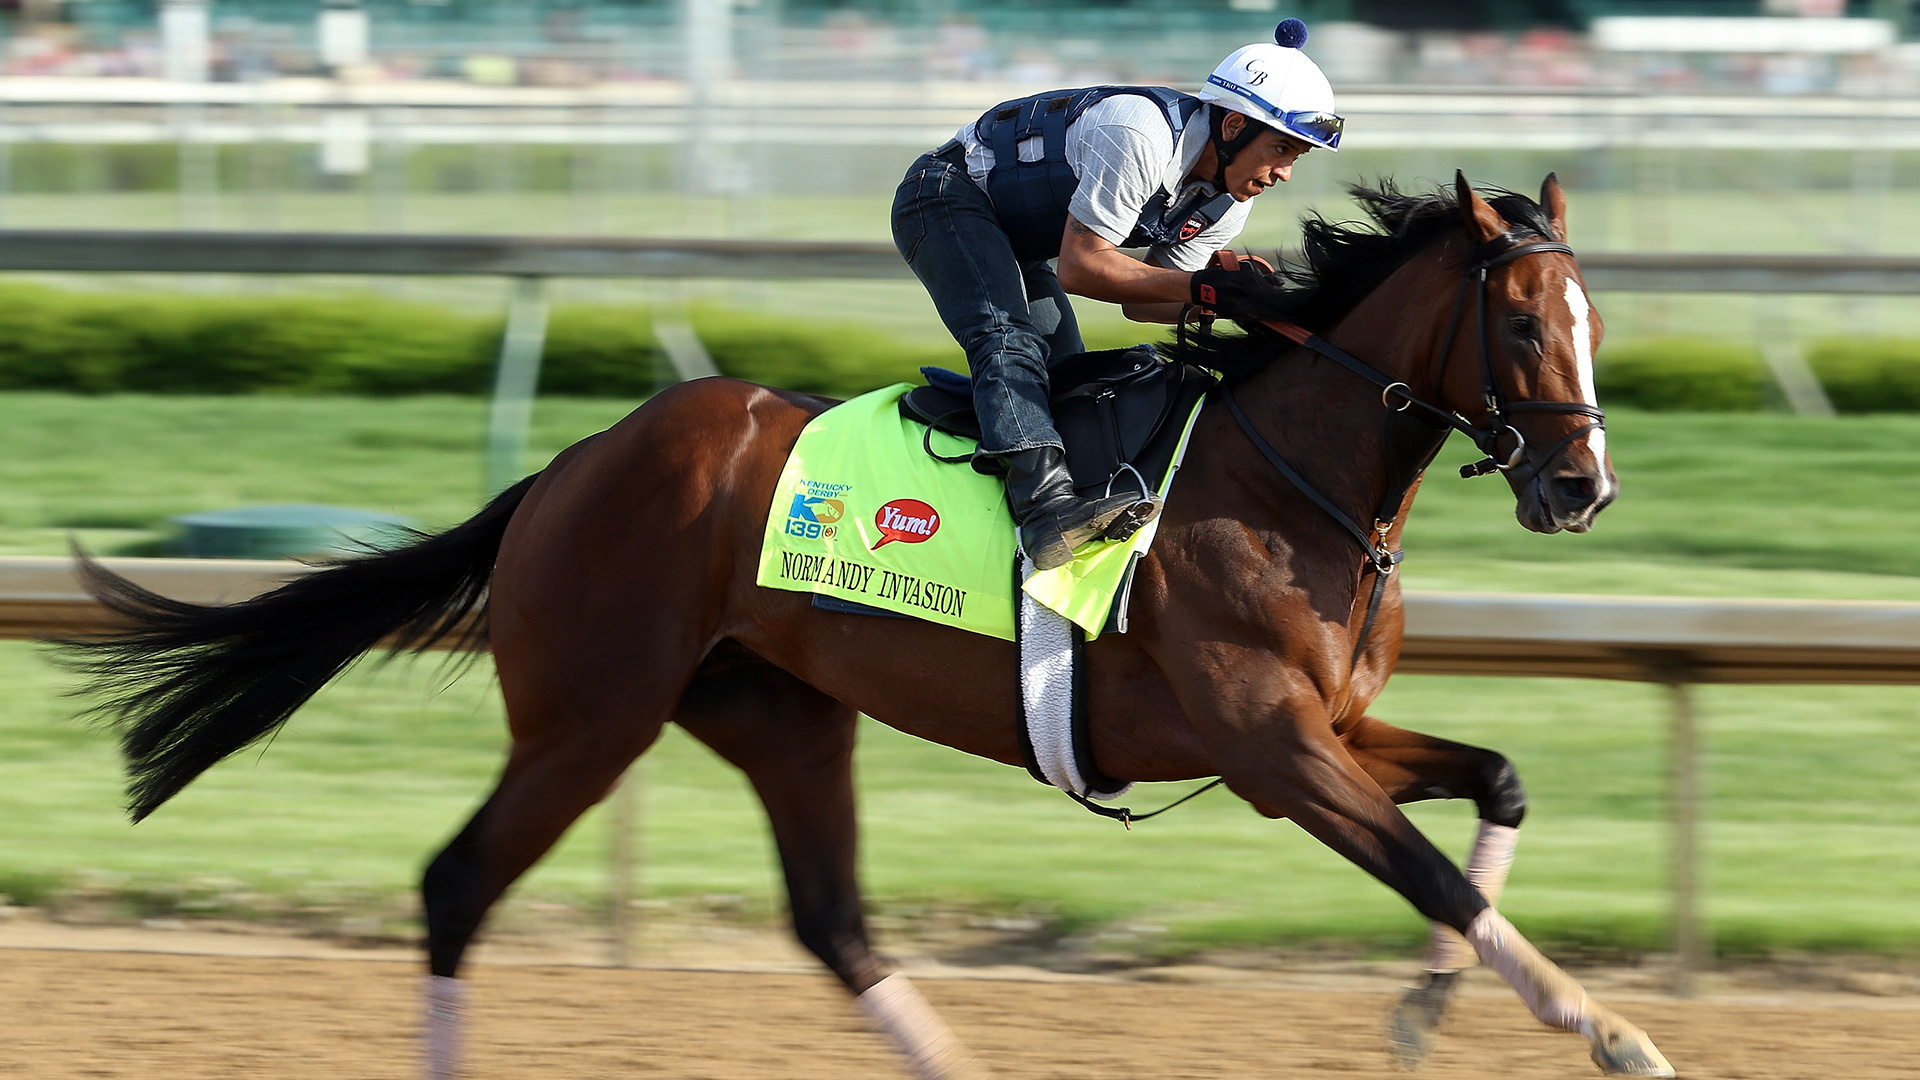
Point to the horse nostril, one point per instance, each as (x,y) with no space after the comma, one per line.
(1575,492)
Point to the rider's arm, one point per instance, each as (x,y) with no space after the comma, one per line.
(1091,266)
(1157,312)
(1194,252)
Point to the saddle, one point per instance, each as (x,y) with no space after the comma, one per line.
(1119,412)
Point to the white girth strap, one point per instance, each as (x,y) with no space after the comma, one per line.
(1046,692)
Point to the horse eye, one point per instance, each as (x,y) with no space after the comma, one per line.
(1523,325)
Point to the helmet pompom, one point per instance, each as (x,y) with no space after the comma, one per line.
(1290,34)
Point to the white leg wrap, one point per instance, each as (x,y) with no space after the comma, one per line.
(1618,1047)
(1552,995)
(1487,867)
(933,1051)
(446,1009)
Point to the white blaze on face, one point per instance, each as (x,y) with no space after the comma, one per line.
(1583,354)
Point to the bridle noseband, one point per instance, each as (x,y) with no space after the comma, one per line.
(1398,397)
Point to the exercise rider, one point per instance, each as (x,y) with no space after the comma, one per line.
(1077,175)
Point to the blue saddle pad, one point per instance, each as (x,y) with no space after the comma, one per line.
(951,381)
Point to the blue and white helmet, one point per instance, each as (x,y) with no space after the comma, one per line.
(1278,86)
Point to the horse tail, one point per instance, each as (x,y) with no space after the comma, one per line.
(187,684)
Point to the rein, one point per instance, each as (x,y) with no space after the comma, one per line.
(1378,559)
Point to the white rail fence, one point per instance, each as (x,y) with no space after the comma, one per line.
(838,113)
(1635,638)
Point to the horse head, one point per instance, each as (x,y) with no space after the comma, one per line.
(1522,362)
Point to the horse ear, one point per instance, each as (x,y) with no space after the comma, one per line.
(1482,218)
(1555,201)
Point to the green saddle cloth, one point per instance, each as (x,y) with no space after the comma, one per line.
(863,514)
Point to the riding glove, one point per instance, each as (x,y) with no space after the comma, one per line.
(1252,290)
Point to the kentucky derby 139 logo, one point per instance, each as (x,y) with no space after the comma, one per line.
(909,521)
(815,508)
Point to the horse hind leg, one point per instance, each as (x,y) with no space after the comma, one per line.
(1411,767)
(796,746)
(547,784)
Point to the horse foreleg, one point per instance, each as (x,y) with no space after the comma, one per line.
(1309,776)
(796,746)
(1617,1046)
(1416,1020)
(1411,767)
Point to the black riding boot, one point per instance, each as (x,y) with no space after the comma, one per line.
(1052,519)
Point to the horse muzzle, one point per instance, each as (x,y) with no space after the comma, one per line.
(1565,499)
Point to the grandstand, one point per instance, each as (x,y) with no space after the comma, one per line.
(577,42)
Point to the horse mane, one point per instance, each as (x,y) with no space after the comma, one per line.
(1341,262)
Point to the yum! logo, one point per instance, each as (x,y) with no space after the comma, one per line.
(909,521)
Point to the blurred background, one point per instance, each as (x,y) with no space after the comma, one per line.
(134,399)
(795,118)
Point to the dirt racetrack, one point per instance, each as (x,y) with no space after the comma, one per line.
(99,1010)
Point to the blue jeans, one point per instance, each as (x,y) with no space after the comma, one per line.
(1009,318)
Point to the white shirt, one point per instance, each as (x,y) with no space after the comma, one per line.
(1124,154)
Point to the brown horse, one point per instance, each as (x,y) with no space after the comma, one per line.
(619,595)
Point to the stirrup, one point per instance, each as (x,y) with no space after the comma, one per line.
(1099,525)
(1132,519)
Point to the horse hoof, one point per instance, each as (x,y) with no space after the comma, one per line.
(1414,1023)
(1624,1050)
(1407,1038)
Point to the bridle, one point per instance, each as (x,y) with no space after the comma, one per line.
(1409,452)
(1487,437)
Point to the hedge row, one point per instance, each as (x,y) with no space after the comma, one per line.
(1860,375)
(99,343)
(52,339)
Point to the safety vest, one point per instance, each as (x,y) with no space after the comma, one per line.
(1030,197)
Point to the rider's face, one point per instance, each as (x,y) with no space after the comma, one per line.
(1266,161)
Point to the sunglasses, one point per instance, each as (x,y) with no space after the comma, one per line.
(1319,127)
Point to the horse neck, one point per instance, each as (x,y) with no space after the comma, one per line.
(1325,420)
